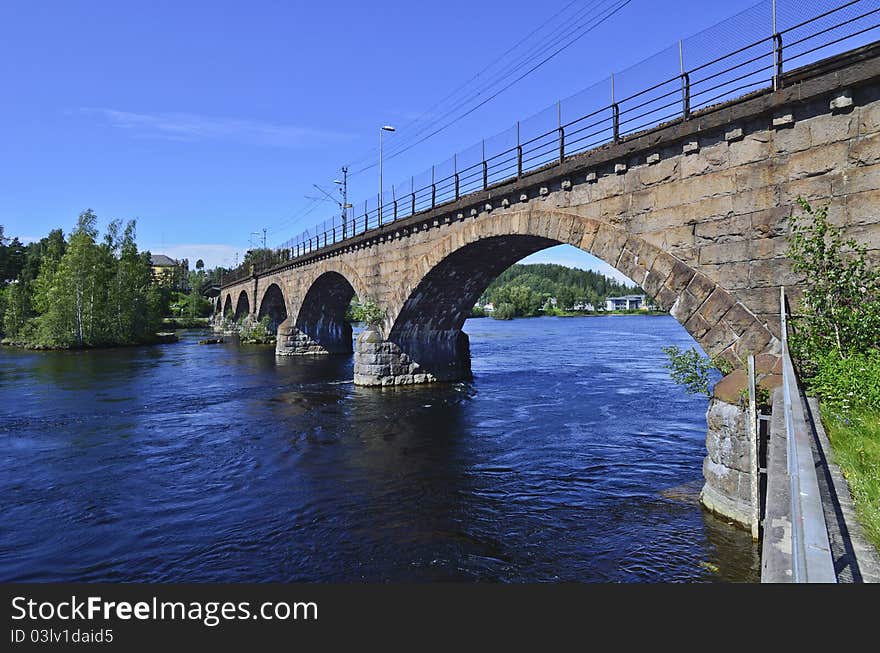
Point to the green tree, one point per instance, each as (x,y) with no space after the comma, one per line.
(841,300)
(504,311)
(12,258)
(50,247)
(17,308)
(69,317)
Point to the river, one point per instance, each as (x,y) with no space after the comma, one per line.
(571,456)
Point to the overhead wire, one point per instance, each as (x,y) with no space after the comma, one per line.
(576,32)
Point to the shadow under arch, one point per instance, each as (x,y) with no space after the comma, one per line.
(227,306)
(242,306)
(320,326)
(429,325)
(273,306)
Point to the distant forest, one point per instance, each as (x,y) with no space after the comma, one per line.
(524,290)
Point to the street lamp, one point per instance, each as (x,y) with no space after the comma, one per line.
(384,128)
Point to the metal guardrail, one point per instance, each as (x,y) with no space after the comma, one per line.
(810,548)
(754,67)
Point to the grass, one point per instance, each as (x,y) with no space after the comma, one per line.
(855,439)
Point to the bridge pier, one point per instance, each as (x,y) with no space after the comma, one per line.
(727,467)
(420,356)
(329,338)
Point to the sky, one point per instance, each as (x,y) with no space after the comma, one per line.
(209,121)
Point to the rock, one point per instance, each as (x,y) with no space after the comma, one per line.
(729,389)
(770,382)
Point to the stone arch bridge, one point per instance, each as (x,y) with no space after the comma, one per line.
(695,212)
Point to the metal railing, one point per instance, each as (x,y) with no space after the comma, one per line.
(531,145)
(810,548)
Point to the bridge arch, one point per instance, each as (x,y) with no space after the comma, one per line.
(320,299)
(242,306)
(423,329)
(227,306)
(274,306)
(320,322)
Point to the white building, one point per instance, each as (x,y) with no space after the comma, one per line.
(625,303)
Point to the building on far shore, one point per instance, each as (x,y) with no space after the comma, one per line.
(167,271)
(625,303)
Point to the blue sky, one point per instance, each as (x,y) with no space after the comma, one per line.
(207,121)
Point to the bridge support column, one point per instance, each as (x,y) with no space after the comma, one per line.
(727,467)
(292,341)
(421,356)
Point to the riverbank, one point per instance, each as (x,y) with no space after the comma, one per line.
(160,338)
(575,314)
(174,323)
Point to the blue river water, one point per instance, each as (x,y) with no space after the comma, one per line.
(570,456)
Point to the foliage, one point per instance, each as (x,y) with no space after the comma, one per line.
(476,311)
(17,308)
(725,366)
(252,332)
(763,400)
(367,312)
(844,383)
(836,343)
(528,287)
(3,295)
(82,293)
(189,305)
(695,371)
(841,301)
(518,300)
(855,439)
(504,311)
(690,369)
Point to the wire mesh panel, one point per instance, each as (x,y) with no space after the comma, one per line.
(539,138)
(731,58)
(840,25)
(423,190)
(444,180)
(588,118)
(470,169)
(650,92)
(501,155)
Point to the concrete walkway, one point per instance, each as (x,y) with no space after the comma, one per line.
(855,558)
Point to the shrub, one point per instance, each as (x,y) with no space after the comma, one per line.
(368,312)
(690,369)
(253,332)
(694,371)
(841,301)
(844,383)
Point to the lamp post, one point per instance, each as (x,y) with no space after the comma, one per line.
(384,128)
